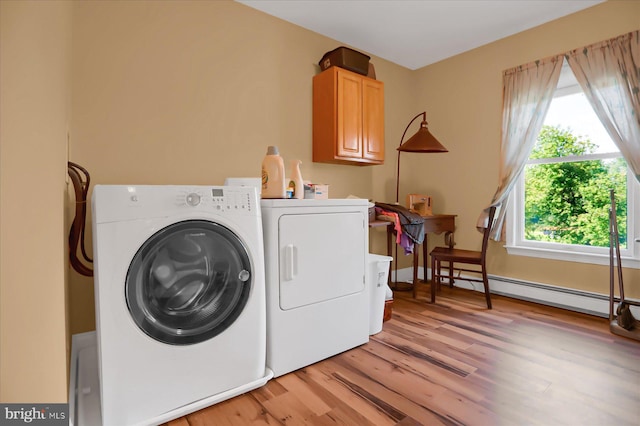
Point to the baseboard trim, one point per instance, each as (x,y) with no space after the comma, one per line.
(546,294)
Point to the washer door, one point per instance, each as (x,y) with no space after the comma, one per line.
(188,282)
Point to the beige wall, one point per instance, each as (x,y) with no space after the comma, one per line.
(463,98)
(193,92)
(35,43)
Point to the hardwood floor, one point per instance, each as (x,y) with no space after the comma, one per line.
(457,363)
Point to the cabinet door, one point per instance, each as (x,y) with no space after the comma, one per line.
(373,120)
(349,110)
(348,118)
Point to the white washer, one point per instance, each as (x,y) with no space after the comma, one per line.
(180,300)
(316,265)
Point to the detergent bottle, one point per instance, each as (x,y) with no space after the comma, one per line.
(296,180)
(273,174)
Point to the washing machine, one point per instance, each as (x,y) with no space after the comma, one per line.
(316,265)
(180,299)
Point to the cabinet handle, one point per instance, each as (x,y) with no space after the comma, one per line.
(290,267)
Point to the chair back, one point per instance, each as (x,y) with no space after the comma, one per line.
(487,232)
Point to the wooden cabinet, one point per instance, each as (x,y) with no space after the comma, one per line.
(348,118)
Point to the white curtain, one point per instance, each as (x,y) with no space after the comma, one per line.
(608,73)
(527,93)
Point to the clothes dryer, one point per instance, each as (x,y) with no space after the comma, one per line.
(180,298)
(316,265)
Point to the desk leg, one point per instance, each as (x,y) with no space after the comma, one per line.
(389,253)
(391,243)
(433,280)
(425,246)
(416,257)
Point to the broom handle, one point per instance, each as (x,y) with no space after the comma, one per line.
(611,276)
(617,245)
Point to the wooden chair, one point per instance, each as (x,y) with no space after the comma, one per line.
(454,256)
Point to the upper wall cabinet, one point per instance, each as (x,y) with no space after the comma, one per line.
(348,118)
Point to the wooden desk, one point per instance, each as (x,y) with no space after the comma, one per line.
(377,223)
(435,224)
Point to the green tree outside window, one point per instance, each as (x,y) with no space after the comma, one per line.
(568,201)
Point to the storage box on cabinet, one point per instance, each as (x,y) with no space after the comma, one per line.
(347,58)
(348,118)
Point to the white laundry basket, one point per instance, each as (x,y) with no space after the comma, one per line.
(378,275)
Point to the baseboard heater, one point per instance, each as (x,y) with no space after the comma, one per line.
(546,294)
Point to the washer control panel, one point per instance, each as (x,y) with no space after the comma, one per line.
(221,199)
(112,203)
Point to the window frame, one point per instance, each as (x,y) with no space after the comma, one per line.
(518,245)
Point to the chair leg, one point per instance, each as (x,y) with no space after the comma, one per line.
(485,280)
(434,278)
(450,274)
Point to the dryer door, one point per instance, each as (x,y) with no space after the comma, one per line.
(188,282)
(322,257)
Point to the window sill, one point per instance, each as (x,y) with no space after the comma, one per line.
(594,259)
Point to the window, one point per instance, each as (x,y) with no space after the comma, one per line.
(560,205)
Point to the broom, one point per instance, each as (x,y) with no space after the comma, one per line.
(624,316)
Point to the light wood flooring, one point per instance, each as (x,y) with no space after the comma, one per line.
(457,363)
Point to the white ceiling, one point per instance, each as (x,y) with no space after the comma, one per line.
(416,33)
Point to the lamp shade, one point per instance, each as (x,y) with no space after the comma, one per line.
(422,141)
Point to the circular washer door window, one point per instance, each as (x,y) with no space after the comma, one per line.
(188,282)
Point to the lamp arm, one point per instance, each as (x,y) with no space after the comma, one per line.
(424,118)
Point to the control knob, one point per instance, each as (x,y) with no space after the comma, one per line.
(193,199)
